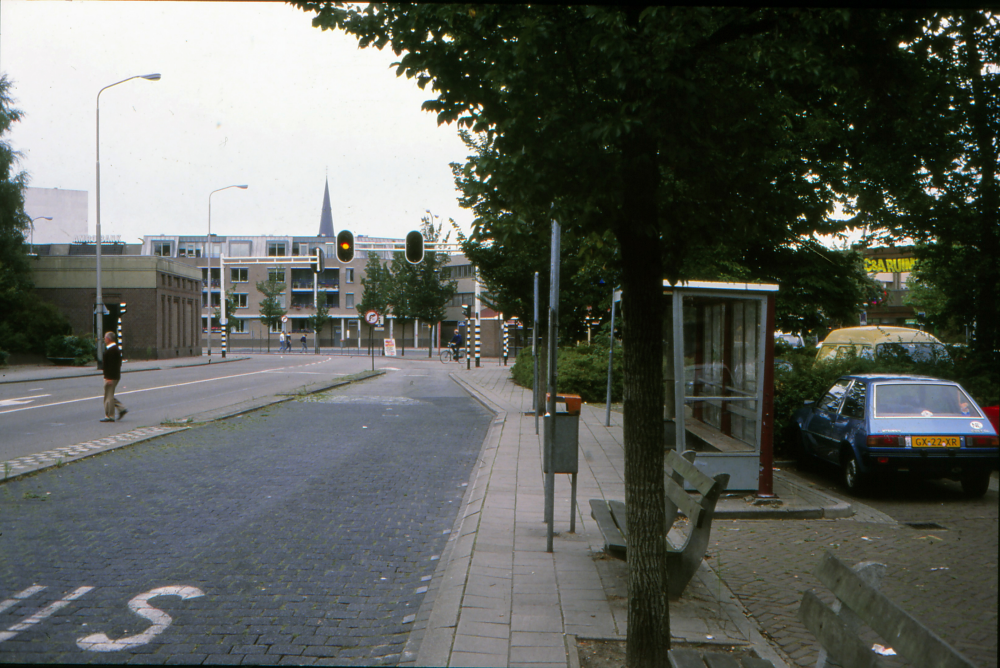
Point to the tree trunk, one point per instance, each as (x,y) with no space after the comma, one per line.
(642,296)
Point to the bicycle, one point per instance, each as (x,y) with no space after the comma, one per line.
(448,355)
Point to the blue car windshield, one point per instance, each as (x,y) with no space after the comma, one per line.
(923,400)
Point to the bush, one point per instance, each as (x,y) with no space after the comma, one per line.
(29,328)
(583,370)
(81,350)
(809,379)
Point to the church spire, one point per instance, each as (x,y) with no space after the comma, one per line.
(326,217)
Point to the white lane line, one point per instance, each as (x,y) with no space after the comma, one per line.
(150,389)
(22,400)
(43,614)
(20,596)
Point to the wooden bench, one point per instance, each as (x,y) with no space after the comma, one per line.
(691,658)
(682,560)
(859,601)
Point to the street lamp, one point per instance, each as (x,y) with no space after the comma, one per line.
(208,253)
(32,243)
(99,307)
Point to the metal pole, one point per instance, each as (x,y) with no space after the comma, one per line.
(478,319)
(224,320)
(611,354)
(550,405)
(534,359)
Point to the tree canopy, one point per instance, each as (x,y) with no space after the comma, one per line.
(682,133)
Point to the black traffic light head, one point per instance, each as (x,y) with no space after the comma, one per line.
(345,246)
(414,247)
(320,262)
(466,311)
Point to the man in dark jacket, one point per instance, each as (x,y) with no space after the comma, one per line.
(112,374)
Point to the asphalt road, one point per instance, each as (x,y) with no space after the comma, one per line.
(303,532)
(42,415)
(940,549)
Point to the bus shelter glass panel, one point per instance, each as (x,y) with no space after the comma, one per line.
(721,360)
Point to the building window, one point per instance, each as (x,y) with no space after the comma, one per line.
(240,299)
(239,275)
(238,326)
(276,274)
(349,275)
(300,248)
(276,248)
(239,249)
(332,299)
(162,249)
(189,250)
(348,300)
(274,329)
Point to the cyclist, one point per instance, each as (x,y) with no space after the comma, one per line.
(455,344)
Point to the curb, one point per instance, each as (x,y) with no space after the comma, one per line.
(430,641)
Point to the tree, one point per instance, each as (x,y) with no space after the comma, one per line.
(403,295)
(319,319)
(26,323)
(377,285)
(271,310)
(956,217)
(672,130)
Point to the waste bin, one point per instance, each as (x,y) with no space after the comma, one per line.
(566,445)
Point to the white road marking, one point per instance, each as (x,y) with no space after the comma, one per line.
(43,614)
(22,400)
(20,596)
(151,389)
(100,642)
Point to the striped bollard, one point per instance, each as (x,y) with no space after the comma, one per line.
(505,348)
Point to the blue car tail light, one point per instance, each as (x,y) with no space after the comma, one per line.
(886,442)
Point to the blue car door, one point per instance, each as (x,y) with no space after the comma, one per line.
(825,427)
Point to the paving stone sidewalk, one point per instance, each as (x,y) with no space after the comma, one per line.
(499,599)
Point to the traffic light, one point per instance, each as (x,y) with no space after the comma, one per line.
(345,246)
(121,309)
(320,262)
(414,247)
(466,311)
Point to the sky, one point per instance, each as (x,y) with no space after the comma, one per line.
(250,93)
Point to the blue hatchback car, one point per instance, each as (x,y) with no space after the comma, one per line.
(869,424)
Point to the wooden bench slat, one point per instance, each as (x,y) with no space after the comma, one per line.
(614,541)
(908,637)
(618,513)
(685,658)
(683,501)
(719,660)
(690,472)
(833,634)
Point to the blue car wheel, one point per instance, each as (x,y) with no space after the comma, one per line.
(854,479)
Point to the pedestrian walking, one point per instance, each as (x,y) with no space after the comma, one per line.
(281,340)
(303,340)
(112,374)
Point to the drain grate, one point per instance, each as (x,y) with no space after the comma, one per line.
(925,525)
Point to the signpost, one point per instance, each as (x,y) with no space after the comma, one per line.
(372,318)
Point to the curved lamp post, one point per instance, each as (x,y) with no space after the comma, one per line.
(32,242)
(99,307)
(208,253)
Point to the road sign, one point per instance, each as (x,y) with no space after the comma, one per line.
(371,317)
(284,318)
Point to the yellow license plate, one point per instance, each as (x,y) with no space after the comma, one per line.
(935,442)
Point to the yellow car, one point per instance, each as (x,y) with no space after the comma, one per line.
(878,340)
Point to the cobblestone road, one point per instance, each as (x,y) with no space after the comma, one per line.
(304,533)
(944,575)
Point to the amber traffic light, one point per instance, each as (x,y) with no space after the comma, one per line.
(345,246)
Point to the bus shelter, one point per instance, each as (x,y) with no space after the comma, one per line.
(719,389)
